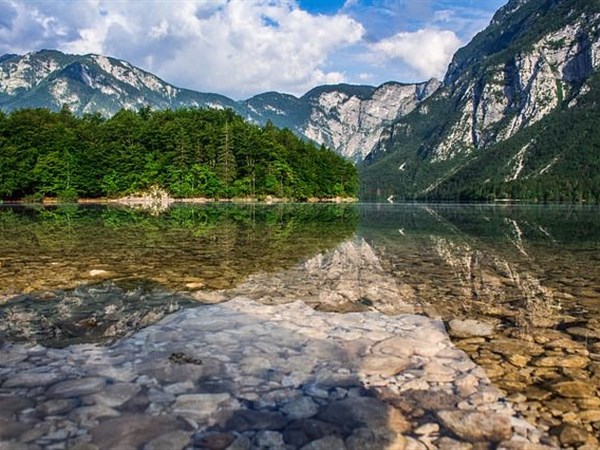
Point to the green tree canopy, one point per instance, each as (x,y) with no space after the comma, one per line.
(188,152)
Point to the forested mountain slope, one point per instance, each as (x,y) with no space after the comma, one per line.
(516,117)
(350,119)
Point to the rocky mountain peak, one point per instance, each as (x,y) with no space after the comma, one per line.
(536,59)
(348,118)
(352,119)
(89,83)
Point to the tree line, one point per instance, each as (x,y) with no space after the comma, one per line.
(187,152)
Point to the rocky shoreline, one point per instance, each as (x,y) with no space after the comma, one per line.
(161,200)
(243,375)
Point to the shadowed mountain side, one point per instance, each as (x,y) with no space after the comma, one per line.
(242,375)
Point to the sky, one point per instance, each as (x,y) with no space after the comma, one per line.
(241,48)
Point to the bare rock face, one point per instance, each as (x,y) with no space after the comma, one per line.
(535,60)
(349,119)
(520,91)
(352,124)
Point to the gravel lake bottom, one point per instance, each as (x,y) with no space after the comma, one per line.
(349,326)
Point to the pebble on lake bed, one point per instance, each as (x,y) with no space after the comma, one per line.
(247,375)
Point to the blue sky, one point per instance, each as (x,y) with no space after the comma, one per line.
(243,47)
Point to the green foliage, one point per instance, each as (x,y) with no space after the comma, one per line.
(560,161)
(188,152)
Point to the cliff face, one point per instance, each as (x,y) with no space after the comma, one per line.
(537,57)
(511,95)
(349,119)
(352,125)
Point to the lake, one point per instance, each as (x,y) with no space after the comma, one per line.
(262,326)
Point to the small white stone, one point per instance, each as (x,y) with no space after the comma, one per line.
(98,273)
(427,429)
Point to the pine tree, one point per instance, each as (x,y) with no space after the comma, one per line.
(226,158)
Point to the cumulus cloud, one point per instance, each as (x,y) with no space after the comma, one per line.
(243,47)
(236,47)
(264,47)
(426,51)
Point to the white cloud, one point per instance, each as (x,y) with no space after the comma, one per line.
(235,47)
(243,47)
(254,46)
(349,4)
(427,51)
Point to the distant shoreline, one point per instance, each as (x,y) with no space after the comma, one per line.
(151,200)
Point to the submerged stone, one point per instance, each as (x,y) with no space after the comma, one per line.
(175,440)
(77,388)
(469,328)
(199,406)
(32,379)
(271,440)
(302,408)
(244,420)
(132,431)
(11,405)
(211,440)
(11,429)
(57,406)
(326,443)
(574,389)
(573,436)
(475,426)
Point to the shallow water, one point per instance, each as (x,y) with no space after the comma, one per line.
(518,287)
(58,247)
(533,273)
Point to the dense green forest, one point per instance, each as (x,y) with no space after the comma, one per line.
(188,152)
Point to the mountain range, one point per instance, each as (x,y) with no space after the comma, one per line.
(516,115)
(347,118)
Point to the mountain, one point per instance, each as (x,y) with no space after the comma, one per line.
(91,83)
(347,118)
(517,116)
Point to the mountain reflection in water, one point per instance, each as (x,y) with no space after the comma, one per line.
(71,274)
(519,290)
(518,287)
